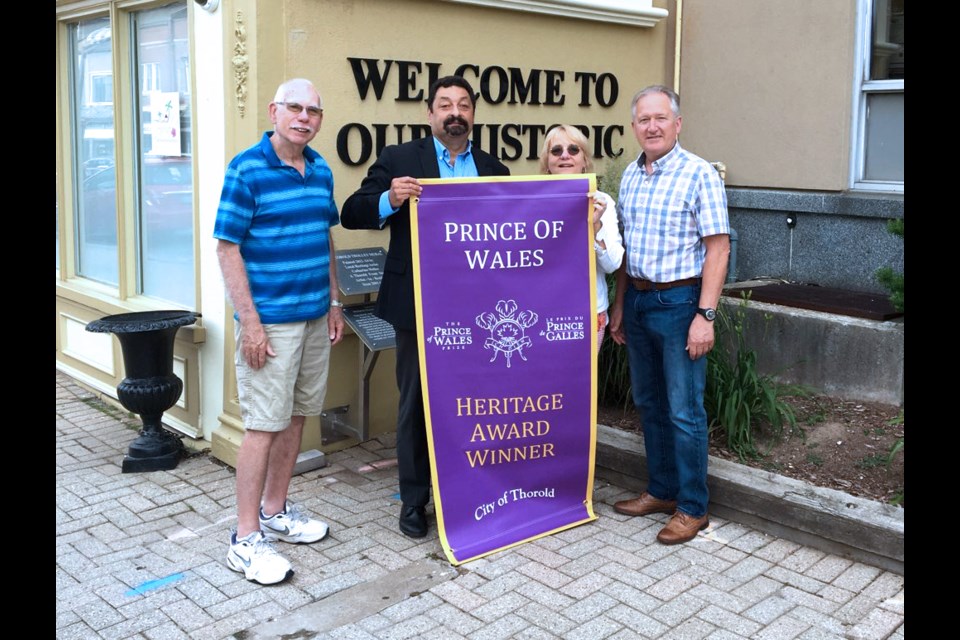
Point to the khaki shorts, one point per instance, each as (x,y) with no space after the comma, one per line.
(291,383)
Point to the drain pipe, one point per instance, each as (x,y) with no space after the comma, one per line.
(732,266)
(676,47)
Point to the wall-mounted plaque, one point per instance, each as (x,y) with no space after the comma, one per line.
(375,333)
(359,270)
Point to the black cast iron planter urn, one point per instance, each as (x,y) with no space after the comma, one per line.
(150,386)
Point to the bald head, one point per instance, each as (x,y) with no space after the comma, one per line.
(295,90)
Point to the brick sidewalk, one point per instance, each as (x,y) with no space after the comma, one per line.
(141,555)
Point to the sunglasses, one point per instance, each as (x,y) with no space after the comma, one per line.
(557,151)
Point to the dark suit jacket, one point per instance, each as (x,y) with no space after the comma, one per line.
(417,159)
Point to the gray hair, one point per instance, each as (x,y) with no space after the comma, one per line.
(656,88)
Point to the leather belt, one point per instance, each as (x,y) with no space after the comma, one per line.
(649,285)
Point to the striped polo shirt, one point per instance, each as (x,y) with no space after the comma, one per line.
(281,220)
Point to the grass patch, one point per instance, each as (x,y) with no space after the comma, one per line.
(872,461)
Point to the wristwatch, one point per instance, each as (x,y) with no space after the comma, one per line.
(709,314)
(336,303)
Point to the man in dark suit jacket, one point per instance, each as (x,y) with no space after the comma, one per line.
(384,199)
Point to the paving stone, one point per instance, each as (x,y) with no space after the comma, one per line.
(856,577)
(691,629)
(167,631)
(452,617)
(631,577)
(601,627)
(717,597)
(504,628)
(836,594)
(747,569)
(723,634)
(637,621)
(550,577)
(678,609)
(812,601)
(590,607)
(548,619)
(411,607)
(346,632)
(818,620)
(783,628)
(97,614)
(769,609)
(635,598)
(586,585)
(500,606)
(458,596)
(894,603)
(671,586)
(776,550)
(540,593)
(828,568)
(130,628)
(794,579)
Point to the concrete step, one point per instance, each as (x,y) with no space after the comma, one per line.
(832,521)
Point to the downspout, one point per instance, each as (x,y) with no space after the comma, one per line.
(676,47)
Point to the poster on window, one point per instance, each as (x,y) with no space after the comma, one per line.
(504,280)
(164,123)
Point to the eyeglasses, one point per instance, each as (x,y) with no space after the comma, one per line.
(557,151)
(297,109)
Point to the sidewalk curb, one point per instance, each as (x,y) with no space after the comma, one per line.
(864,530)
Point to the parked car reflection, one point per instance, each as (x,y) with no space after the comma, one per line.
(166,200)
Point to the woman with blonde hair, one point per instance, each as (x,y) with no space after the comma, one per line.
(566,150)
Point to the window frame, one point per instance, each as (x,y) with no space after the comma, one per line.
(863,88)
(127,294)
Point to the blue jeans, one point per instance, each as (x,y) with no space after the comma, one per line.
(668,391)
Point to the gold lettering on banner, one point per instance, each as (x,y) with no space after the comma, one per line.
(514,404)
(483,457)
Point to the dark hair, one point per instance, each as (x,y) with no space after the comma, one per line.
(450,81)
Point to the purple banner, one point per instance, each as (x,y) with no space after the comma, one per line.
(504,276)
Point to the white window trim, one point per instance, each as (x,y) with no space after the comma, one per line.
(862,87)
(638,13)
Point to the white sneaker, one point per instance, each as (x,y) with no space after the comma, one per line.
(256,558)
(292,525)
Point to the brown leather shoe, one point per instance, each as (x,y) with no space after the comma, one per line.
(645,505)
(682,528)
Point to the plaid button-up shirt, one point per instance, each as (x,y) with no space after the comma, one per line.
(667,213)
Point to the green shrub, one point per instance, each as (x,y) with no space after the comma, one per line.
(739,400)
(887,277)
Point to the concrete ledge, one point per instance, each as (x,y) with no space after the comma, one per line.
(832,521)
(841,356)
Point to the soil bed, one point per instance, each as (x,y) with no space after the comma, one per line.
(843,445)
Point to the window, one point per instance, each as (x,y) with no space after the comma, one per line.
(165,181)
(145,204)
(877,161)
(95,184)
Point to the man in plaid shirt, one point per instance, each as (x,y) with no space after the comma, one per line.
(677,236)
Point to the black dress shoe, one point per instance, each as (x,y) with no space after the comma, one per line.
(413,521)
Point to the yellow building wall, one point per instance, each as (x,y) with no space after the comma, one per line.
(587,73)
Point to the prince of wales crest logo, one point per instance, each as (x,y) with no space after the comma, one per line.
(507,331)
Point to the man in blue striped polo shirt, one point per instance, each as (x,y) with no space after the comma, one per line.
(279,269)
(677,235)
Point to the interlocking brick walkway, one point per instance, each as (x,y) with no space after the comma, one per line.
(141,555)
